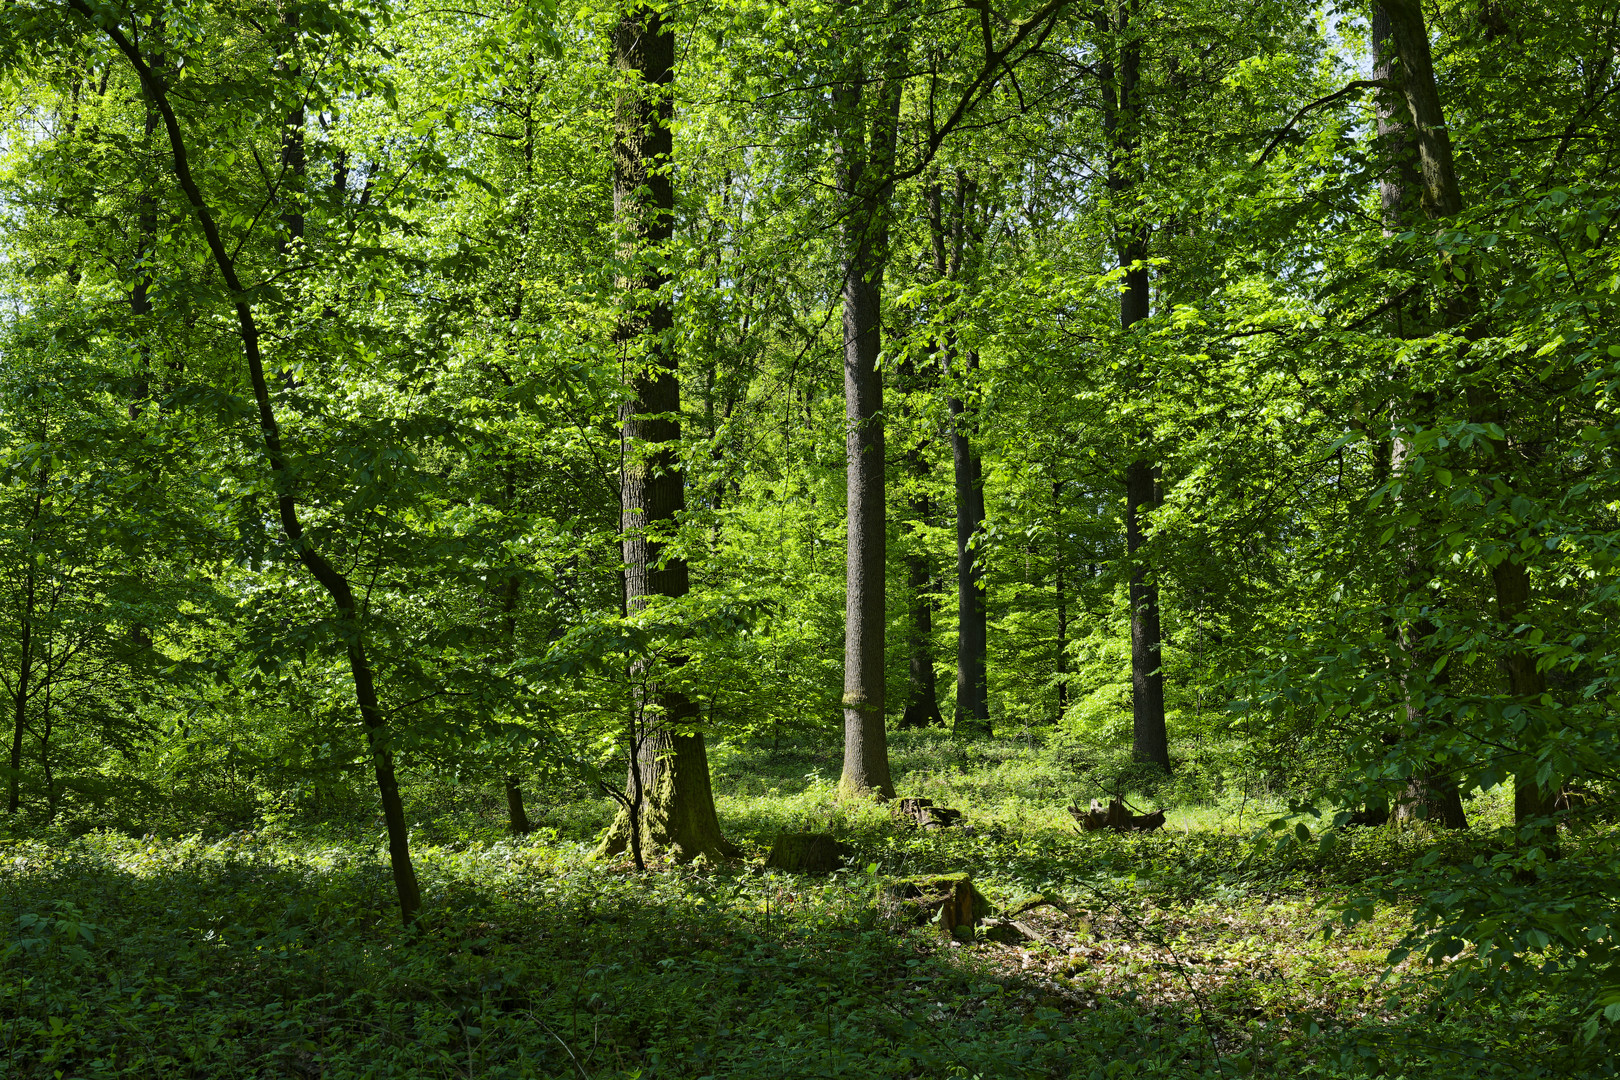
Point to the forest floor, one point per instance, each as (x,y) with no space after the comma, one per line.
(1196,951)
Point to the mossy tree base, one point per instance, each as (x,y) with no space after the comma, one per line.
(677,819)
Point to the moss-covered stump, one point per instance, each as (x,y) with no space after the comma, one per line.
(946,900)
(807,853)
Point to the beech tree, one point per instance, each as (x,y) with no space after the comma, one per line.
(669,781)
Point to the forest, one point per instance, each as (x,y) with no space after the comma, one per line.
(809,538)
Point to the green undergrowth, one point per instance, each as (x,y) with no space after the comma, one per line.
(1194,952)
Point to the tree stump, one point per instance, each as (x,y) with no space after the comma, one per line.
(923,814)
(1115,816)
(807,853)
(946,900)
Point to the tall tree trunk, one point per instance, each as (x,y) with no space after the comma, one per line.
(866,153)
(1122,120)
(1150,742)
(948,229)
(1061,661)
(670,752)
(1429,793)
(25,663)
(25,668)
(1441,197)
(972,631)
(350,619)
(922,699)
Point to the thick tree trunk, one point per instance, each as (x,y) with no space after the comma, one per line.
(1430,794)
(672,758)
(1441,197)
(972,631)
(864,167)
(349,623)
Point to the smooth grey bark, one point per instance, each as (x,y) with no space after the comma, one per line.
(867,119)
(669,753)
(349,620)
(866,109)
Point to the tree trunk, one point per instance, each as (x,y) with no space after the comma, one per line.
(25,665)
(1061,661)
(669,747)
(922,701)
(922,698)
(1122,118)
(972,631)
(517,819)
(52,796)
(20,698)
(1441,197)
(349,621)
(1150,742)
(864,169)
(1430,794)
(949,233)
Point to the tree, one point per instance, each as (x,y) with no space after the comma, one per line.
(956,236)
(669,763)
(349,624)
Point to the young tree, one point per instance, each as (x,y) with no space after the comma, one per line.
(349,623)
